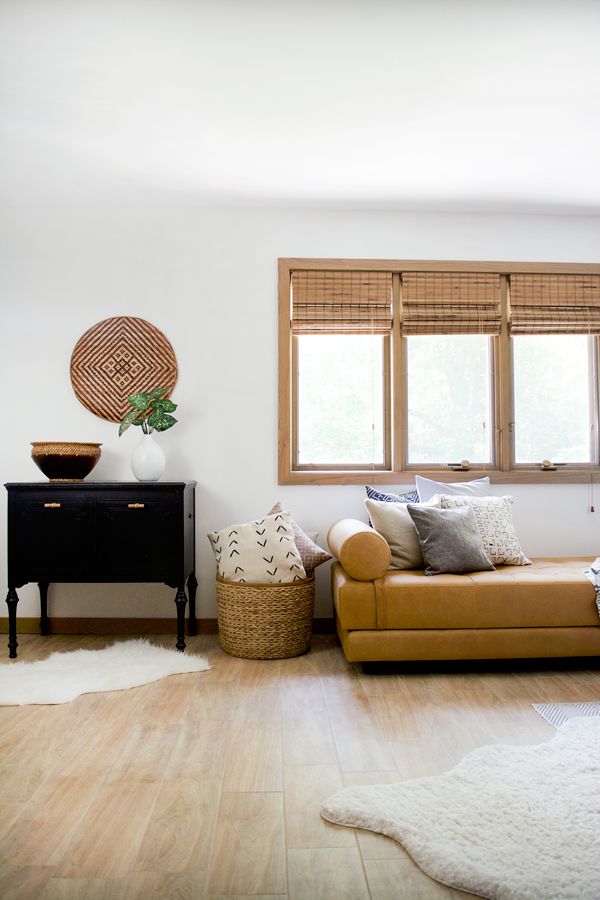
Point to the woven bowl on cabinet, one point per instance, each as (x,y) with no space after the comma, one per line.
(65,460)
(265,621)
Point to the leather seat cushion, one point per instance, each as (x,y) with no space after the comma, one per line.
(549,593)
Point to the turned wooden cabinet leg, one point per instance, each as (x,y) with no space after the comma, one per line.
(11,601)
(180,601)
(44,620)
(192,584)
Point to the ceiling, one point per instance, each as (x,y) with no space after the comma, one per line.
(486,105)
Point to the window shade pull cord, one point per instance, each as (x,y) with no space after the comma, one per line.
(594,394)
(482,388)
(372,401)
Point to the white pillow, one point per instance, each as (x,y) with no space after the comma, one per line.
(394,523)
(427,488)
(260,552)
(493,516)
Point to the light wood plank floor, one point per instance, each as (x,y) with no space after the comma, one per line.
(207,786)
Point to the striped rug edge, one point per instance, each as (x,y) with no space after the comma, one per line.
(556,714)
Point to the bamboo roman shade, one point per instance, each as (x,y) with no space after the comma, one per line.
(346,302)
(450,303)
(555,304)
(341,302)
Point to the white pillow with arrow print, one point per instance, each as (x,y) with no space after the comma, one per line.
(260,552)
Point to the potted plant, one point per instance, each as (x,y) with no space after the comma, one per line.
(151,412)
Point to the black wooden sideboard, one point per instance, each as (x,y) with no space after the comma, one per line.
(86,532)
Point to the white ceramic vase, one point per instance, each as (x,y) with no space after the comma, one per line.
(147,460)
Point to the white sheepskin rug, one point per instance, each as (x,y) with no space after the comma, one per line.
(506,823)
(64,676)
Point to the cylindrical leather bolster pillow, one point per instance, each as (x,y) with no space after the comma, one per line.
(364,553)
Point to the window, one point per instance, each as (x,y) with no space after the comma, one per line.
(448,391)
(340,400)
(396,367)
(552,398)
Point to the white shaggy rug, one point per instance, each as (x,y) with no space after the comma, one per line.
(63,676)
(506,823)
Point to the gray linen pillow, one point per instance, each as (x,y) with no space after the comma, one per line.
(450,544)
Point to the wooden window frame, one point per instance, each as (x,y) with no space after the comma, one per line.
(418,468)
(504,470)
(366,468)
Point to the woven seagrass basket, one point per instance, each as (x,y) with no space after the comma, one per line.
(265,621)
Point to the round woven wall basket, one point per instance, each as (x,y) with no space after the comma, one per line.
(117,358)
(265,621)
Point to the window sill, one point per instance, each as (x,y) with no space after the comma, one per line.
(518,475)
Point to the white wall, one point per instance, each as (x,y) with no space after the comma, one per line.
(208,279)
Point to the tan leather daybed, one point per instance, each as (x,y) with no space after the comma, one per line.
(542,610)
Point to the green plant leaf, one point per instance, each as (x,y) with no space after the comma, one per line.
(153,418)
(165,422)
(137,421)
(139,400)
(127,420)
(157,394)
(163,405)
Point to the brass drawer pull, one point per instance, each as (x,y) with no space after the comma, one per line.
(52,505)
(135,505)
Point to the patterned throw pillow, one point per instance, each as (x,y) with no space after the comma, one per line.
(311,554)
(493,516)
(372,494)
(261,552)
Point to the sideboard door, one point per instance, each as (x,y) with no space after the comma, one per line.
(138,541)
(55,539)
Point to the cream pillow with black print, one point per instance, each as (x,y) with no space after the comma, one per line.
(261,552)
(493,516)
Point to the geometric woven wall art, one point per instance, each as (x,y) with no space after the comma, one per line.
(115,359)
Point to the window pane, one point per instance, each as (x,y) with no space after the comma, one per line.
(340,397)
(449,390)
(552,400)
